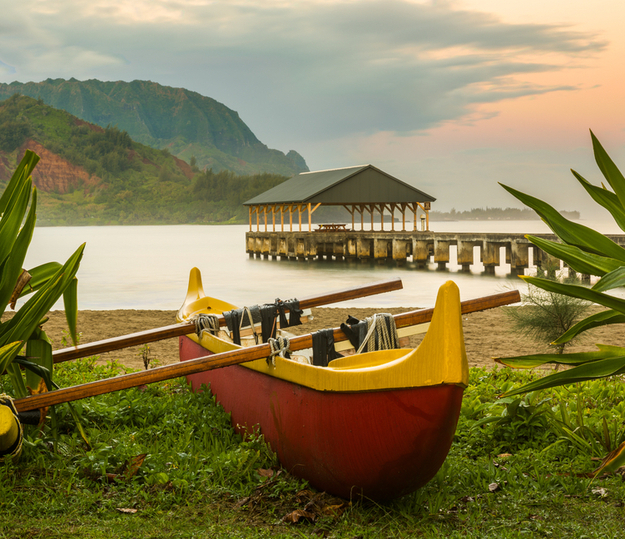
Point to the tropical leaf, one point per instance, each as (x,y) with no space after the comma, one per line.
(70,301)
(12,220)
(609,170)
(605,198)
(569,232)
(603,318)
(30,314)
(8,353)
(614,279)
(39,351)
(577,291)
(577,259)
(14,263)
(587,371)
(577,358)
(17,380)
(21,174)
(40,275)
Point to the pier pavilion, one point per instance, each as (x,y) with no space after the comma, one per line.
(367,189)
(359,189)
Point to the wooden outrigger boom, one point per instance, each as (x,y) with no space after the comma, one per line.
(234,357)
(177,330)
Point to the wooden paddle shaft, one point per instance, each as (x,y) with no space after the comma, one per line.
(176,330)
(225,359)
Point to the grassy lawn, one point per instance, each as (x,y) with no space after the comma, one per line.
(163,462)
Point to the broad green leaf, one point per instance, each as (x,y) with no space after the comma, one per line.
(21,174)
(39,351)
(605,198)
(577,291)
(15,262)
(614,279)
(588,371)
(17,380)
(609,170)
(70,301)
(41,275)
(8,353)
(12,220)
(30,314)
(603,318)
(569,232)
(577,358)
(578,260)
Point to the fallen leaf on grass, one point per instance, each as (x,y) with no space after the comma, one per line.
(317,505)
(493,487)
(126,510)
(130,469)
(297,515)
(612,461)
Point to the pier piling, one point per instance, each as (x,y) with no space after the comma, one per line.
(418,247)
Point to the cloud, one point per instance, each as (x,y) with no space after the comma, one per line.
(323,69)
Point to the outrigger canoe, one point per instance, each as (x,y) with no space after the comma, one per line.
(377,425)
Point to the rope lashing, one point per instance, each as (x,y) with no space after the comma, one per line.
(12,429)
(384,332)
(206,322)
(248,312)
(280,346)
(236,319)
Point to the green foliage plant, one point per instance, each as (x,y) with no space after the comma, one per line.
(589,252)
(546,315)
(44,284)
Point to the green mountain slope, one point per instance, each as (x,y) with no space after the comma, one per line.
(186,123)
(94,175)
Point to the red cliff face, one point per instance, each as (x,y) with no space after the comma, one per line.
(184,167)
(55,174)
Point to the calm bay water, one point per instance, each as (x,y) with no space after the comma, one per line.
(147,267)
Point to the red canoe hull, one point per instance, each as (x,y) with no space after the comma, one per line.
(378,444)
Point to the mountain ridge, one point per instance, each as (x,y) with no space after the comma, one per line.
(89,175)
(191,126)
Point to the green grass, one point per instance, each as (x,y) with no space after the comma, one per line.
(517,474)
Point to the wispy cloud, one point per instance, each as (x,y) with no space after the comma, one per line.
(325,69)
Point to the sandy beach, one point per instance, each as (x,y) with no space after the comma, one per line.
(487,334)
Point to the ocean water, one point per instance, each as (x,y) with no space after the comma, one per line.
(147,267)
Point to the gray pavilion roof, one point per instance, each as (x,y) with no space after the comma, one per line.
(362,184)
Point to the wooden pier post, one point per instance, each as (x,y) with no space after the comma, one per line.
(441,253)
(465,254)
(490,256)
(420,253)
(399,251)
(519,257)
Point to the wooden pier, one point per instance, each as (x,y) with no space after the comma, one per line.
(421,248)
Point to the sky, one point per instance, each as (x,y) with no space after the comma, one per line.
(451,96)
